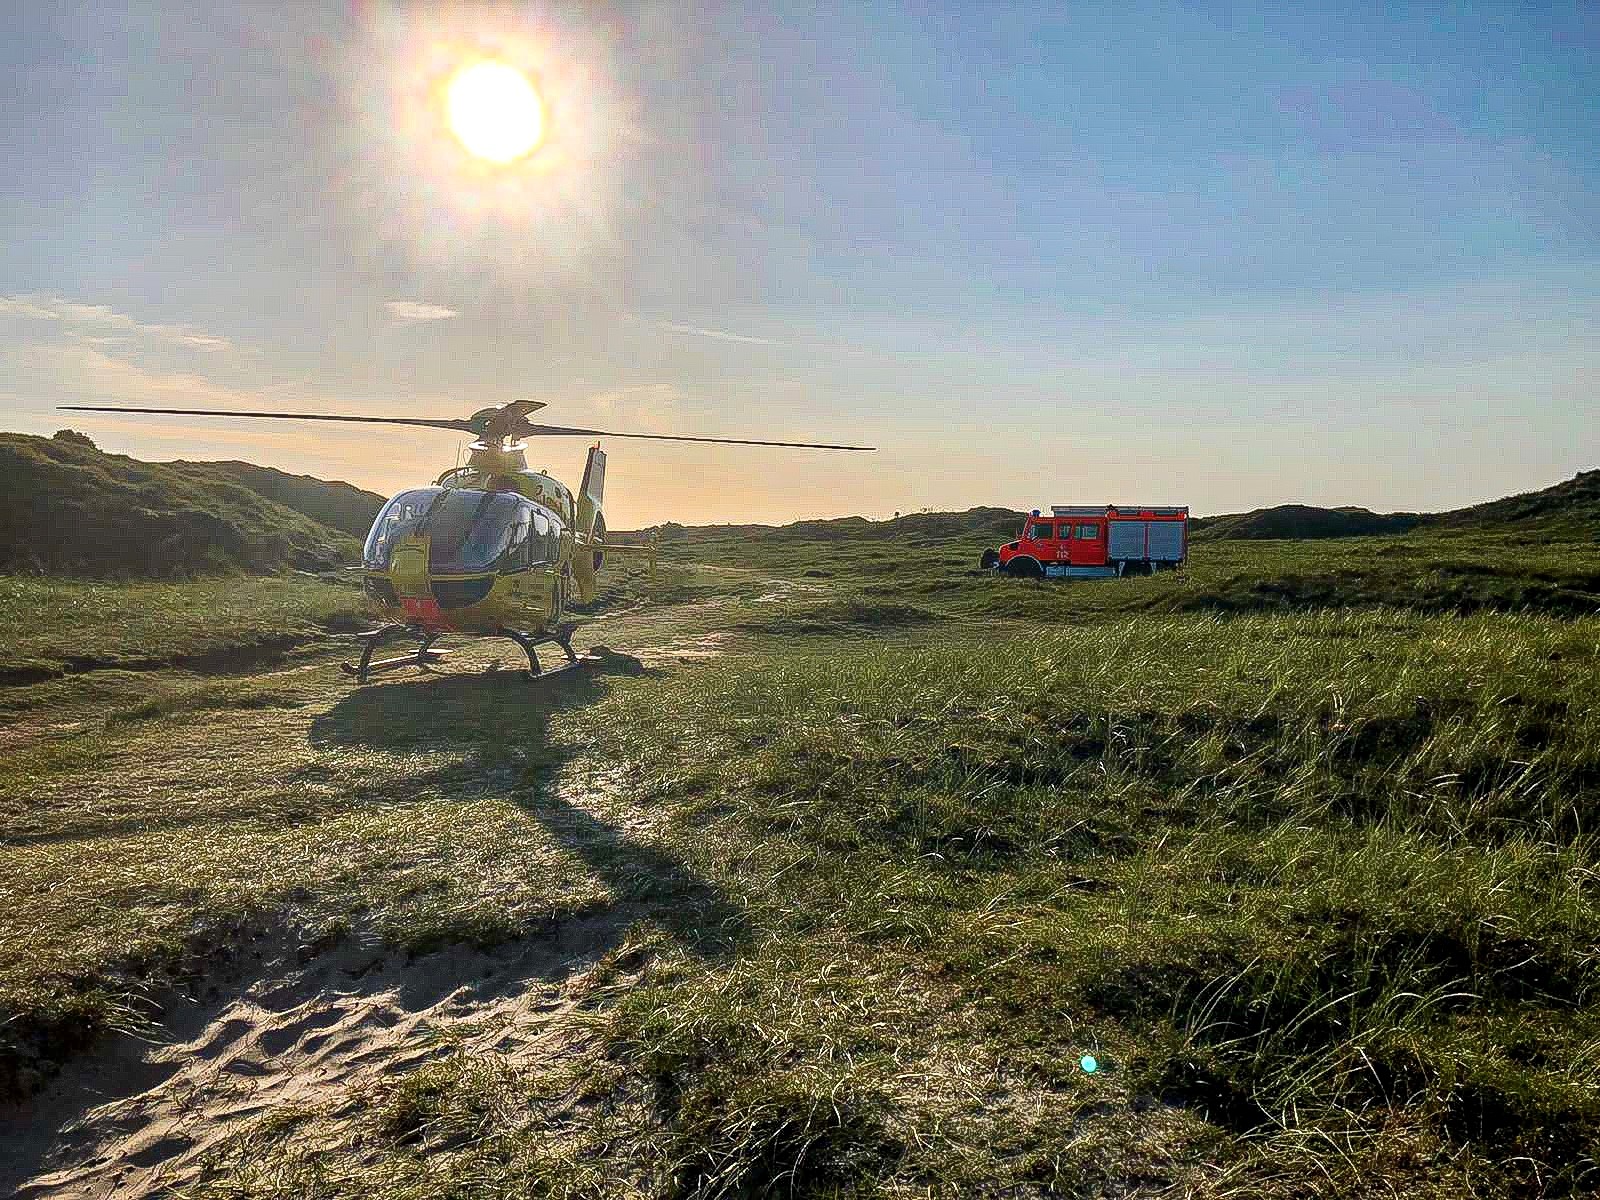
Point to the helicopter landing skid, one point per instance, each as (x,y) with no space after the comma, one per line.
(424,656)
(560,636)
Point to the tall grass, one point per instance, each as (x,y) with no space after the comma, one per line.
(1324,881)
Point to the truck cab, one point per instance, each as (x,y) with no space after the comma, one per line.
(1050,540)
(1038,541)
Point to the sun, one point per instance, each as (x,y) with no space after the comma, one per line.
(494,111)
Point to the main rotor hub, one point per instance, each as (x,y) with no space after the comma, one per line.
(497,457)
(503,421)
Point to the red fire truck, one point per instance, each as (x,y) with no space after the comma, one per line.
(1095,541)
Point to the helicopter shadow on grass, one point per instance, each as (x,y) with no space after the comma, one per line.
(496,716)
(503,720)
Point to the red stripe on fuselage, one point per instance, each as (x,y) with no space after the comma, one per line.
(424,611)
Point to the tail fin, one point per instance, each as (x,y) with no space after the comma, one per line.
(591,522)
(592,494)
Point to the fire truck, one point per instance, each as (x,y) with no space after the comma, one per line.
(1095,541)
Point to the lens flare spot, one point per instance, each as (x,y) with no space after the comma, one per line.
(494,111)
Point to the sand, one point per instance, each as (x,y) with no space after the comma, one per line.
(135,1117)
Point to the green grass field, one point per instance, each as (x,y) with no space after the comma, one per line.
(850,872)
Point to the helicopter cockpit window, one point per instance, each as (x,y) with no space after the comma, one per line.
(546,539)
(515,555)
(471,532)
(399,517)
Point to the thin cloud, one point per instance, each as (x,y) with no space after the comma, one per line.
(412,311)
(22,306)
(79,374)
(645,408)
(96,324)
(721,335)
(203,341)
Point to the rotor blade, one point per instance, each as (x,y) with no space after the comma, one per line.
(562,430)
(463,426)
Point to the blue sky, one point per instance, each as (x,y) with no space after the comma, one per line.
(1226,258)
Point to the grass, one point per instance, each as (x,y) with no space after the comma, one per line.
(80,651)
(1299,846)
(60,625)
(1281,899)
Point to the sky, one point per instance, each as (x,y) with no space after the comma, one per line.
(1222,256)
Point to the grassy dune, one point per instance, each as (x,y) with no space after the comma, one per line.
(1450,571)
(880,855)
(68,509)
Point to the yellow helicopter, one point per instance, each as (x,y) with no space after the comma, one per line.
(491,549)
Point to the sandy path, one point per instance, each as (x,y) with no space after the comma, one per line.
(137,1117)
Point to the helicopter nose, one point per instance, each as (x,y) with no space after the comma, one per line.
(462,593)
(408,567)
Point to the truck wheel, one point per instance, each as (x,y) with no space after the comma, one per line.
(1025,568)
(989,561)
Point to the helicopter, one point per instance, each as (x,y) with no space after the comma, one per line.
(489,549)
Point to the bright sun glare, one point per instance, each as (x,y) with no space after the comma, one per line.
(494,111)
